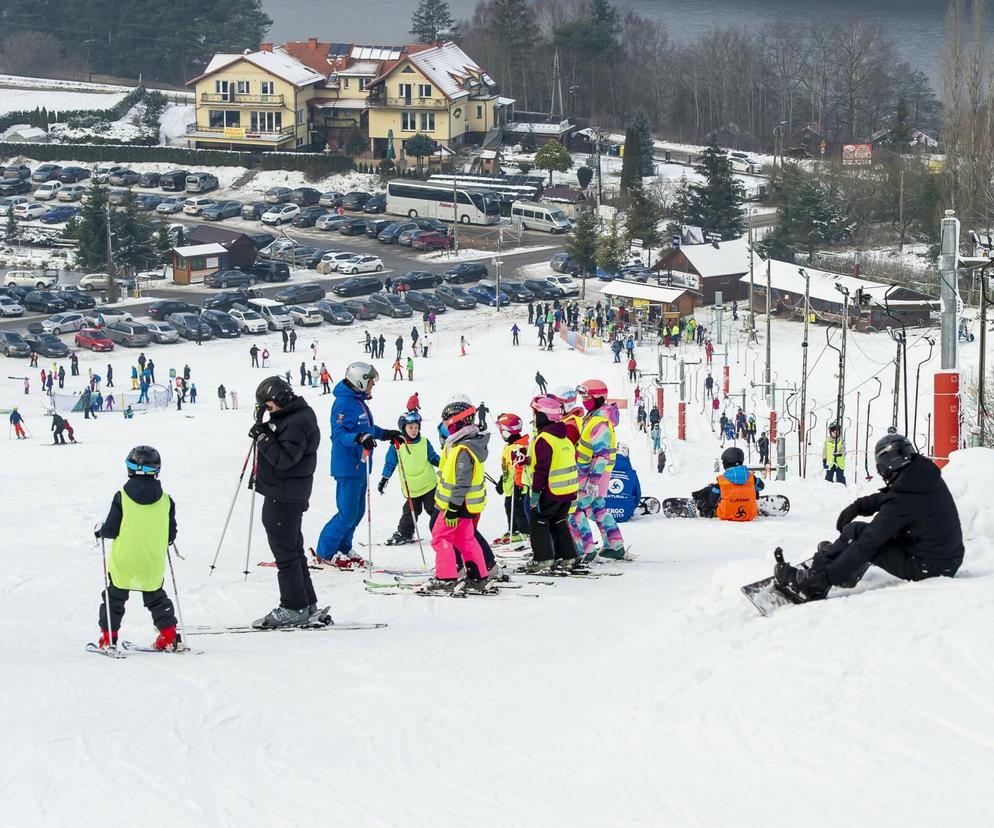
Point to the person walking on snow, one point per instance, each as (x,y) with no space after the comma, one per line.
(540,382)
(763,446)
(286,340)
(414,339)
(222,397)
(254,353)
(410,369)
(418,460)
(17,422)
(141,523)
(632,368)
(515,330)
(265,357)
(325,381)
(833,456)
(110,376)
(462,345)
(413,402)
(292,339)
(353,438)
(400,345)
(398,371)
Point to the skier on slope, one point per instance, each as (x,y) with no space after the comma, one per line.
(17,422)
(512,483)
(353,438)
(735,495)
(833,456)
(915,532)
(286,448)
(418,460)
(142,523)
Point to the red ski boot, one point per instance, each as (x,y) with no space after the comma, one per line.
(107,639)
(167,639)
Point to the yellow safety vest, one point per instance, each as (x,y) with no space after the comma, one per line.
(563,479)
(412,458)
(476,497)
(138,554)
(834,453)
(585,449)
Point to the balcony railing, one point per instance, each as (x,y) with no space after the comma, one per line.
(239,99)
(239,133)
(415,103)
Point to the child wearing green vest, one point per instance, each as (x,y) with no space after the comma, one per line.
(142,524)
(418,460)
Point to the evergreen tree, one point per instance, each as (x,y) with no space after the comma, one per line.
(420,146)
(554,157)
(611,250)
(643,218)
(91,255)
(716,204)
(583,240)
(11,229)
(132,237)
(811,214)
(431,19)
(584,175)
(631,164)
(681,201)
(646,150)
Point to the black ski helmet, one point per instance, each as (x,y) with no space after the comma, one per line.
(458,408)
(732,456)
(407,418)
(833,427)
(276,389)
(143,460)
(892,453)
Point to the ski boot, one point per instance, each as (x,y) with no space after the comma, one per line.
(356,561)
(613,554)
(398,539)
(800,584)
(503,540)
(486,584)
(519,537)
(108,640)
(283,617)
(167,640)
(443,586)
(534,567)
(318,616)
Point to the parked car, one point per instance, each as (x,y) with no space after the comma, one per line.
(195,206)
(334,313)
(543,289)
(517,291)
(104,171)
(46,345)
(170,205)
(63,212)
(564,283)
(221,324)
(148,201)
(464,272)
(354,227)
(306,315)
(390,304)
(47,191)
(406,237)
(62,323)
(189,325)
(123,178)
(254,209)
(94,339)
(10,307)
(30,210)
(297,257)
(332,259)
(331,221)
(117,196)
(248,321)
(417,279)
(304,196)
(71,192)
(149,179)
(300,294)
(361,264)
(376,204)
(562,263)
(45,301)
(269,271)
(201,182)
(456,297)
(228,278)
(261,240)
(431,240)
(423,301)
(76,299)
(164,308)
(332,198)
(357,286)
(105,315)
(355,200)
(45,172)
(390,233)
(278,195)
(14,186)
(72,175)
(487,294)
(281,214)
(10,202)
(131,334)
(222,210)
(14,345)
(375,226)
(174,180)
(225,301)
(94,281)
(37,279)
(307,216)
(162,332)
(361,309)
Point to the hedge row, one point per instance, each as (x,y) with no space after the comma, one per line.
(308,163)
(81,117)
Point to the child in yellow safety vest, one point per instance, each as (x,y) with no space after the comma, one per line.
(142,523)
(512,483)
(417,459)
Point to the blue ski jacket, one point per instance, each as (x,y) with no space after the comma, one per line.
(350,417)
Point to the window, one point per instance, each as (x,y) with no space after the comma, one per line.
(479,111)
(222,88)
(424,90)
(268,87)
(242,87)
(219,118)
(345,83)
(266,121)
(364,82)
(300,117)
(409,121)
(427,121)
(404,91)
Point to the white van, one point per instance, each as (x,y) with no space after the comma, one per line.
(195,206)
(48,190)
(29,278)
(276,314)
(534,216)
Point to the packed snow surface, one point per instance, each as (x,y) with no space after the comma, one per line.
(657,698)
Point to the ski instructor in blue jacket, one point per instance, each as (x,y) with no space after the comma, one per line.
(353,438)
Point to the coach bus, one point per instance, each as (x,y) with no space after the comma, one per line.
(433,199)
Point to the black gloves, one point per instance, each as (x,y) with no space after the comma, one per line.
(366,441)
(392,435)
(382,484)
(261,430)
(499,486)
(452,518)
(846,516)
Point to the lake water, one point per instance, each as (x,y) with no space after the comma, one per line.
(916,26)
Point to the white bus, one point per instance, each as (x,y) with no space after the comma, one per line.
(430,199)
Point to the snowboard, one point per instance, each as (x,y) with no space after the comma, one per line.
(684,507)
(766,596)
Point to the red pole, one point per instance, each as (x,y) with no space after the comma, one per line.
(659,400)
(726,382)
(773,427)
(946,415)
(681,422)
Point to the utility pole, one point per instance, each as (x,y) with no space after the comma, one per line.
(769,313)
(949,290)
(840,403)
(752,286)
(981,404)
(900,212)
(497,262)
(803,421)
(600,188)
(111,278)
(898,337)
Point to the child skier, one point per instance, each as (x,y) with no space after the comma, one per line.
(417,459)
(17,421)
(735,494)
(512,484)
(142,524)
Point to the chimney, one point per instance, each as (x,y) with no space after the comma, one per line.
(265,47)
(312,42)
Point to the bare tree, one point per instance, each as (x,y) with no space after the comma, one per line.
(29,53)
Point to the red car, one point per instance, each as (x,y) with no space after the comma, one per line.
(94,339)
(432,240)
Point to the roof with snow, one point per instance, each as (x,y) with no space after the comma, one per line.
(719,259)
(451,69)
(622,289)
(278,63)
(197,250)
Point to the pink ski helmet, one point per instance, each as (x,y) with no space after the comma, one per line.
(549,406)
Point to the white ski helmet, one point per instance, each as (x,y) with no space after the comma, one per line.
(361,376)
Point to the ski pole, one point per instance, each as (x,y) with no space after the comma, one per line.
(110,635)
(255,468)
(369,521)
(410,503)
(231,509)
(179,611)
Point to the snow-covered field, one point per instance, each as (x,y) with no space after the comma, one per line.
(13,100)
(655,698)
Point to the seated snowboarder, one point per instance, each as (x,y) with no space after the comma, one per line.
(735,495)
(915,532)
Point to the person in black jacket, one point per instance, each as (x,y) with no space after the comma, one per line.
(286,450)
(915,532)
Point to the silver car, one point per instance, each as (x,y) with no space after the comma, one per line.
(64,322)
(162,332)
